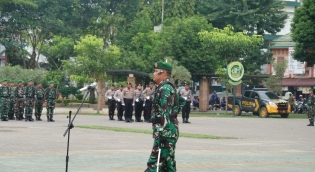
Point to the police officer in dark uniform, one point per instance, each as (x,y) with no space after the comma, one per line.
(138,102)
(111,102)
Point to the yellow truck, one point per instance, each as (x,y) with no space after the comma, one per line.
(262,103)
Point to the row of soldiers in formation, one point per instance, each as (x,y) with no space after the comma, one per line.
(127,99)
(20,100)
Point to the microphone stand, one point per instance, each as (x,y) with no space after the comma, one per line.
(70,126)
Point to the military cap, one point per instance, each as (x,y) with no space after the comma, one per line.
(20,81)
(112,85)
(4,79)
(139,85)
(38,82)
(163,65)
(129,83)
(11,81)
(121,86)
(29,80)
(51,82)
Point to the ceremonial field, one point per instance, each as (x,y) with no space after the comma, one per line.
(242,144)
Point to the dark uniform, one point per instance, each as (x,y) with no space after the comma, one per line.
(118,96)
(4,100)
(186,94)
(111,102)
(128,94)
(148,94)
(40,98)
(166,105)
(19,101)
(29,101)
(12,100)
(311,107)
(50,98)
(138,102)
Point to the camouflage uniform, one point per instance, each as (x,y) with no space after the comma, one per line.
(30,95)
(4,102)
(311,109)
(50,98)
(19,102)
(12,102)
(40,92)
(166,105)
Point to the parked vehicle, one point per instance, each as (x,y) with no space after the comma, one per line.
(300,106)
(262,103)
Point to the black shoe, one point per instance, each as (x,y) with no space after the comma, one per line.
(51,119)
(140,120)
(17,118)
(26,118)
(2,119)
(184,121)
(311,124)
(131,120)
(187,122)
(145,120)
(119,119)
(13,118)
(31,119)
(48,120)
(39,119)
(127,120)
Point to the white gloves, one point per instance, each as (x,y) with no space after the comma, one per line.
(109,98)
(133,104)
(143,105)
(148,97)
(137,100)
(123,104)
(118,100)
(185,98)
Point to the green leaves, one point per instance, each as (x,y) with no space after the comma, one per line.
(229,45)
(16,72)
(303,32)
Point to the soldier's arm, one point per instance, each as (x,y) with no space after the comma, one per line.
(106,94)
(123,96)
(45,94)
(115,96)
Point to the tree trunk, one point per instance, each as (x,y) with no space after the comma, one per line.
(101,95)
(92,96)
(32,60)
(204,95)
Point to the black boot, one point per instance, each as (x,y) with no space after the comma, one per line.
(17,118)
(311,124)
(51,119)
(31,119)
(184,121)
(26,118)
(48,120)
(187,121)
(39,118)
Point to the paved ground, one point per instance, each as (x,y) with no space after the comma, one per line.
(273,144)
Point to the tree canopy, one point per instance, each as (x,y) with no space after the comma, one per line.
(303,32)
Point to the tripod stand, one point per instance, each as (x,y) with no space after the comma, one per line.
(70,126)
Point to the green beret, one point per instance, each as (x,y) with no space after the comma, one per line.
(20,81)
(163,65)
(11,81)
(29,80)
(51,82)
(4,79)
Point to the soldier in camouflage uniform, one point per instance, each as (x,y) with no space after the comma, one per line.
(19,101)
(50,98)
(30,100)
(311,106)
(40,92)
(12,100)
(4,100)
(166,105)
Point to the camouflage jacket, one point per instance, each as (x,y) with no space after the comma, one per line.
(12,91)
(50,93)
(166,105)
(311,104)
(29,92)
(40,93)
(5,91)
(19,92)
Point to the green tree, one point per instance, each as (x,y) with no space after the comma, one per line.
(18,2)
(92,62)
(303,32)
(180,74)
(229,45)
(252,16)
(58,49)
(273,82)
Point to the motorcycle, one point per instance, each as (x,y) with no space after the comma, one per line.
(300,106)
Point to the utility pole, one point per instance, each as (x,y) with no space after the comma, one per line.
(162,14)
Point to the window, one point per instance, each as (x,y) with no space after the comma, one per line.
(254,94)
(247,94)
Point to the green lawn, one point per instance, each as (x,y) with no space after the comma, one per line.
(130,130)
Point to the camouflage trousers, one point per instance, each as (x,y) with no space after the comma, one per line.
(167,156)
(4,107)
(29,106)
(11,107)
(310,115)
(19,107)
(38,108)
(50,107)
